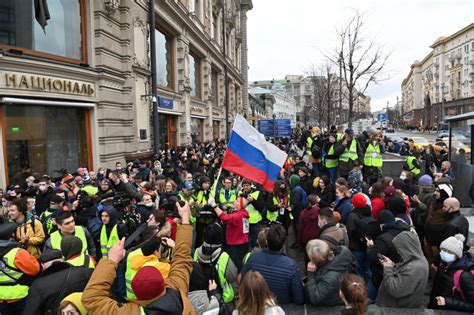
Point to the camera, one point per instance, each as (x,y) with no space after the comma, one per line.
(169,208)
(121,200)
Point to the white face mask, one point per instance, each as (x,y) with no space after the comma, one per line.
(43,188)
(149,204)
(447,257)
(403,177)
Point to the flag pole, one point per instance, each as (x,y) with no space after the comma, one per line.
(214,185)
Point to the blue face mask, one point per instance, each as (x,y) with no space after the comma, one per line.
(447,257)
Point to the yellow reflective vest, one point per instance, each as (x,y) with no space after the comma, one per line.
(372,156)
(10,289)
(56,238)
(349,154)
(106,243)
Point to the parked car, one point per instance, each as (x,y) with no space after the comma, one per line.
(444,145)
(442,134)
(418,143)
(395,138)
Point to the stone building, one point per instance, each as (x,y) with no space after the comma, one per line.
(75,89)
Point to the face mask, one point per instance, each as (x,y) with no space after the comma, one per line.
(403,177)
(43,188)
(446,257)
(5,204)
(149,204)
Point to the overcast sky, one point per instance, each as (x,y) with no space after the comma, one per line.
(285,37)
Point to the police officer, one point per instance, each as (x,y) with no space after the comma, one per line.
(255,207)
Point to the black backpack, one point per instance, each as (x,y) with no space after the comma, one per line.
(366,226)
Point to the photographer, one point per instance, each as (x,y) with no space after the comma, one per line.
(121,184)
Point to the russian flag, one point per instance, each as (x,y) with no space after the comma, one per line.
(249,155)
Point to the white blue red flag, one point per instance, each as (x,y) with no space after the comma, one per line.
(249,155)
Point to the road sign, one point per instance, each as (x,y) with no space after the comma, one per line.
(407,117)
(282,127)
(382,117)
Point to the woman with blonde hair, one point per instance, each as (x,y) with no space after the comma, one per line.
(255,297)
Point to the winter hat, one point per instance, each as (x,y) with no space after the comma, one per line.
(56,199)
(105,181)
(397,205)
(316,182)
(349,131)
(148,283)
(76,300)
(50,255)
(388,193)
(188,186)
(294,181)
(446,191)
(213,234)
(359,201)
(425,180)
(385,216)
(454,244)
(70,246)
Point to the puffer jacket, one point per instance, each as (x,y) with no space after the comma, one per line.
(96,296)
(403,286)
(33,228)
(344,207)
(323,285)
(466,282)
(444,280)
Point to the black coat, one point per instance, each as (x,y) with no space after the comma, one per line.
(45,292)
(43,200)
(444,281)
(327,196)
(383,245)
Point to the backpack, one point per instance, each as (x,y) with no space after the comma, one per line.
(457,280)
(367,226)
(304,197)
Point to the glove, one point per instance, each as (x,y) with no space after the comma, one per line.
(212,202)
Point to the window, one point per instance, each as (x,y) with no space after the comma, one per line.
(45,138)
(63,38)
(214,86)
(197,130)
(194,75)
(164,60)
(214,27)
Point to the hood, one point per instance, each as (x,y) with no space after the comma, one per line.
(408,246)
(313,213)
(342,262)
(112,212)
(140,261)
(396,225)
(71,246)
(365,211)
(208,254)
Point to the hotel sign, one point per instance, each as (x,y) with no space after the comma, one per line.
(40,83)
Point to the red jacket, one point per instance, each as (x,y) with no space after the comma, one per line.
(308,228)
(237,227)
(378,205)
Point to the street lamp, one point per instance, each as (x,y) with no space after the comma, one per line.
(443,89)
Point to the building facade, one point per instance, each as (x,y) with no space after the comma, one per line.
(77,91)
(442,84)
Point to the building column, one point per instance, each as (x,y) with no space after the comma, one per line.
(246,5)
(184,88)
(207,85)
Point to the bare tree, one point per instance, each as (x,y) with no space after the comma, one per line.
(363,60)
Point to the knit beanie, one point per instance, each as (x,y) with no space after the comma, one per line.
(359,201)
(385,216)
(454,244)
(148,283)
(75,299)
(70,246)
(425,180)
(294,181)
(213,234)
(446,191)
(397,206)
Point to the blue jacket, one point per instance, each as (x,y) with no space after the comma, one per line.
(280,272)
(344,207)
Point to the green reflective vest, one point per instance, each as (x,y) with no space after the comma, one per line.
(411,167)
(90,190)
(56,238)
(246,257)
(350,154)
(254,214)
(272,216)
(339,136)
(182,196)
(223,201)
(309,144)
(82,261)
(106,243)
(330,163)
(221,267)
(372,156)
(130,273)
(9,276)
(46,219)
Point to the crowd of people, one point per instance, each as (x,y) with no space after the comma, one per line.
(181,235)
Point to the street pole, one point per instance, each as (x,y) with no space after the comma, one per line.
(155,115)
(226,77)
(396,111)
(274,127)
(340,83)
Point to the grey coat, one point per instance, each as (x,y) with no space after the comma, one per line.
(403,286)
